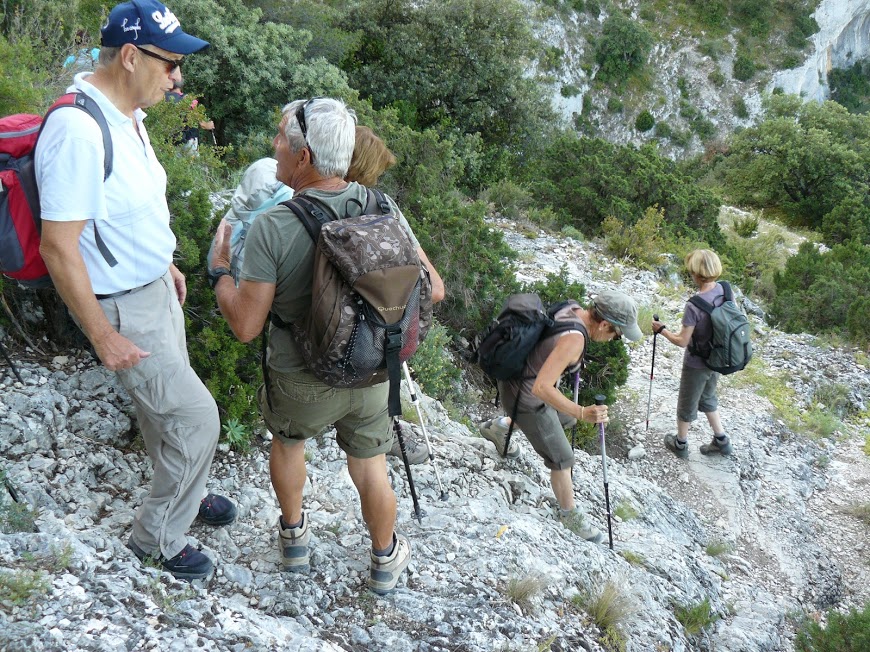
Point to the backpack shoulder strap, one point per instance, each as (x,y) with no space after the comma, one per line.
(312,216)
(88,105)
(704,305)
(726,287)
(377,200)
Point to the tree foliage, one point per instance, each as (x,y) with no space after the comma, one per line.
(457,66)
(252,66)
(823,292)
(810,160)
(622,49)
(586,180)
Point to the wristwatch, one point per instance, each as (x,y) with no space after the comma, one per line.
(216,273)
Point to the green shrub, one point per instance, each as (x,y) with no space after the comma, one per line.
(622,49)
(717,78)
(509,198)
(824,293)
(663,130)
(20,587)
(851,86)
(472,257)
(644,121)
(433,367)
(740,109)
(587,179)
(641,243)
(614,105)
(695,618)
(569,90)
(744,66)
(843,633)
(747,226)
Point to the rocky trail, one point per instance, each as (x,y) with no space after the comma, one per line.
(762,535)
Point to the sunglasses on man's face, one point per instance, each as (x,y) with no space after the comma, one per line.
(171,64)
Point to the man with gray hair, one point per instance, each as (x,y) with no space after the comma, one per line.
(313,147)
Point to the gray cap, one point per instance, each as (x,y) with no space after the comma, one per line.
(620,310)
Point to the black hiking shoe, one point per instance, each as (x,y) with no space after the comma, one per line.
(189,564)
(721,446)
(217,510)
(672,444)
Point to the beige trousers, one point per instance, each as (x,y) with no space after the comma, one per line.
(177,415)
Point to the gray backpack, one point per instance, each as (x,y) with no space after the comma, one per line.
(371,299)
(730,348)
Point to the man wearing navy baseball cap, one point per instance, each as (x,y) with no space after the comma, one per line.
(107,243)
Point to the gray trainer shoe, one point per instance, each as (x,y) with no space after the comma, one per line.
(385,571)
(293,543)
(716,446)
(576,522)
(415,448)
(671,445)
(496,432)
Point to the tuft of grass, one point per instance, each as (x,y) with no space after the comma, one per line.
(168,599)
(695,618)
(633,558)
(409,414)
(610,609)
(867,445)
(626,511)
(718,548)
(747,226)
(19,587)
(861,511)
(522,591)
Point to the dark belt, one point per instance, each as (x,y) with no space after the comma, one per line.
(114,295)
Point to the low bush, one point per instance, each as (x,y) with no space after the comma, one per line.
(848,632)
(740,108)
(610,609)
(744,66)
(641,242)
(433,367)
(747,226)
(644,121)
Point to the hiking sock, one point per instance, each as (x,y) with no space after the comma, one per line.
(386,552)
(721,438)
(290,526)
(680,444)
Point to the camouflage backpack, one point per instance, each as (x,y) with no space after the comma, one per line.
(371,299)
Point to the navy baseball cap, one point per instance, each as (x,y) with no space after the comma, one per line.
(148,22)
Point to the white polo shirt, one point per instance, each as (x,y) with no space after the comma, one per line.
(130,207)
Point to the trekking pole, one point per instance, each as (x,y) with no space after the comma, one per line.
(398,428)
(651,371)
(576,402)
(10,363)
(416,401)
(599,400)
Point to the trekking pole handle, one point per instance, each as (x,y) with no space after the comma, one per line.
(599,399)
(656,317)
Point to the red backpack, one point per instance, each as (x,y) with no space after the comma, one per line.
(20,223)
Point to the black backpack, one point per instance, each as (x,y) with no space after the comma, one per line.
(521,324)
(730,348)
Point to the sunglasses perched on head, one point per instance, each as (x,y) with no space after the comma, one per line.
(171,64)
(303,126)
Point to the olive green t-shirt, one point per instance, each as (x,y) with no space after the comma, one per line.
(279,250)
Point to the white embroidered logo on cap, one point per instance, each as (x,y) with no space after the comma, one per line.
(166,21)
(132,28)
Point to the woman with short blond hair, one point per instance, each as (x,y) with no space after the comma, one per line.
(697,382)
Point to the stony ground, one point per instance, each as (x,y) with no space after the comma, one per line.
(761,535)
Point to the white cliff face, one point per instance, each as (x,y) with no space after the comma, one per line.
(843,39)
